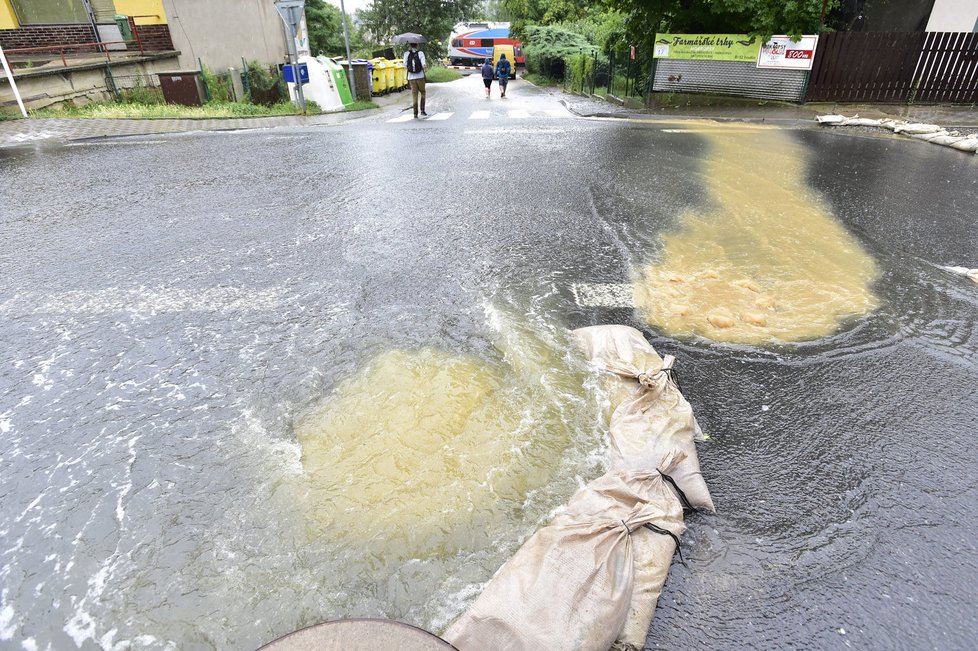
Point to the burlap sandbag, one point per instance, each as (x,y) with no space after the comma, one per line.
(572,584)
(655,419)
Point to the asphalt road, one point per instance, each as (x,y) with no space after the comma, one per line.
(170,306)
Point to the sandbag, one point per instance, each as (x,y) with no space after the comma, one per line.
(572,584)
(947,138)
(830,120)
(654,419)
(891,124)
(971,274)
(861,122)
(965,144)
(916,127)
(929,137)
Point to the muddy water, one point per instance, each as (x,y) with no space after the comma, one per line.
(766,261)
(420,447)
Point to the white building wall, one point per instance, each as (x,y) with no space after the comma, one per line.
(953,16)
(221,32)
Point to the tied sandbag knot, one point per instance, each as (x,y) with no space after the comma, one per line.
(650,380)
(687,506)
(666,532)
(625,524)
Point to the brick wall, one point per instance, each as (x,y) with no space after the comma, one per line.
(44,35)
(155,38)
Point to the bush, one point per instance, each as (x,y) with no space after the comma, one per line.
(218,86)
(549,49)
(265,88)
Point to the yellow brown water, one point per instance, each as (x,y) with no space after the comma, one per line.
(422,450)
(767,261)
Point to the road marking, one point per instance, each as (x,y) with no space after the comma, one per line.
(603,295)
(403,118)
(441,116)
(479,115)
(676,131)
(519,114)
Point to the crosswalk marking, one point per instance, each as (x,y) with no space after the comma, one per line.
(517,114)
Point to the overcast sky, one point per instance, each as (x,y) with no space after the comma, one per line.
(351,5)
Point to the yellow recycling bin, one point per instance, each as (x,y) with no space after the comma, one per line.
(380,76)
(391,71)
(400,74)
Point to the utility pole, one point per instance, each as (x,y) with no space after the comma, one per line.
(349,61)
(292,13)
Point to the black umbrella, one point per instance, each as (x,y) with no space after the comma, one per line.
(409,37)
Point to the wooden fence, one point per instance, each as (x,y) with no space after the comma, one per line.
(895,67)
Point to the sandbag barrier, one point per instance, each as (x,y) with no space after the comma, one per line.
(967,142)
(971,274)
(590,580)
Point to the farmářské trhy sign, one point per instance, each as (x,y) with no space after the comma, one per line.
(707,47)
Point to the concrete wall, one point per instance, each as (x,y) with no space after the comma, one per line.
(954,16)
(77,85)
(221,32)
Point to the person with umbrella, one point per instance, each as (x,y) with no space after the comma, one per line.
(416,66)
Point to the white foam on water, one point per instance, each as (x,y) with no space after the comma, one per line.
(144,300)
(603,295)
(7,625)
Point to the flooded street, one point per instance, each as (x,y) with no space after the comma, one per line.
(257,380)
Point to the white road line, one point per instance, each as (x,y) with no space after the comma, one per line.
(519,114)
(403,118)
(479,115)
(441,116)
(603,295)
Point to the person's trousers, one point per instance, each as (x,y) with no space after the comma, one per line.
(417,88)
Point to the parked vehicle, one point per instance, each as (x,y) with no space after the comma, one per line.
(510,53)
(472,43)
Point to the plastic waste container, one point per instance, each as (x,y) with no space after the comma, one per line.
(390,71)
(400,71)
(340,80)
(379,76)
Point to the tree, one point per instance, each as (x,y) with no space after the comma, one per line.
(433,19)
(325,24)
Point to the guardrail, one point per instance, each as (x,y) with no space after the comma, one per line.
(99,45)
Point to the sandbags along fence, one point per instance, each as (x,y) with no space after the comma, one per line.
(967,142)
(591,578)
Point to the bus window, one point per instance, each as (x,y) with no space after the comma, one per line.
(487,42)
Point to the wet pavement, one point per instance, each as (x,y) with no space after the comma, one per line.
(175,308)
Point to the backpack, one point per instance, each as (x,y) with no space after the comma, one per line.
(414,62)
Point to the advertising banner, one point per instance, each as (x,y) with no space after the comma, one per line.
(707,47)
(782,52)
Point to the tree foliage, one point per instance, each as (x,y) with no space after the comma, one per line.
(325,24)
(433,19)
